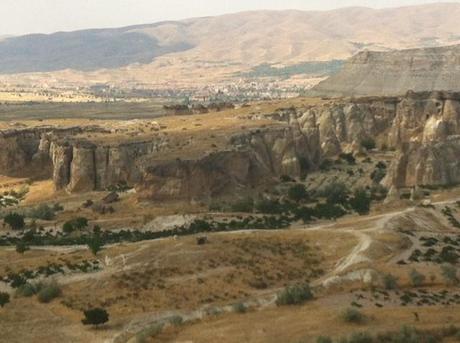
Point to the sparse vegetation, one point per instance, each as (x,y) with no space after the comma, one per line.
(48,292)
(95,244)
(353,315)
(450,273)
(95,316)
(361,201)
(390,282)
(294,295)
(4,299)
(21,247)
(368,143)
(239,308)
(15,221)
(417,279)
(298,193)
(152,331)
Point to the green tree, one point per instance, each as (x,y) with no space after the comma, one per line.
(298,193)
(417,279)
(243,205)
(67,227)
(4,298)
(15,221)
(95,244)
(336,193)
(21,247)
(95,316)
(368,143)
(353,315)
(80,223)
(294,295)
(361,201)
(390,281)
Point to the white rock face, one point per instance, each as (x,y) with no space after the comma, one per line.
(165,223)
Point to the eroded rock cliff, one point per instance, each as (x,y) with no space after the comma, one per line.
(422,128)
(395,72)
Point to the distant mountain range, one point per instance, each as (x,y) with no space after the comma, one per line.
(233,42)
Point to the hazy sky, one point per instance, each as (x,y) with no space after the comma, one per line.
(26,16)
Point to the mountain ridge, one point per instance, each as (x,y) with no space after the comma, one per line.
(234,42)
(395,73)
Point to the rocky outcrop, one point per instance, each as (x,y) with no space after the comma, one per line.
(339,126)
(253,159)
(422,128)
(24,152)
(80,165)
(426,131)
(395,72)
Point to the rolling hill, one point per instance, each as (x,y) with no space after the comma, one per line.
(230,43)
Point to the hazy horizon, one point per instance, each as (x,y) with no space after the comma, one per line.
(19,17)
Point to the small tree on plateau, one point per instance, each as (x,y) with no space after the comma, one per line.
(15,221)
(95,316)
(95,244)
(4,299)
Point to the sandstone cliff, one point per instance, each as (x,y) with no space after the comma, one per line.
(422,128)
(426,131)
(251,160)
(396,72)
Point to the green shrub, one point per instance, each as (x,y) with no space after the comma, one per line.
(449,272)
(361,201)
(353,315)
(349,158)
(176,320)
(378,174)
(298,193)
(269,206)
(48,292)
(323,339)
(4,299)
(244,205)
(336,193)
(239,308)
(294,295)
(95,244)
(26,290)
(361,337)
(75,224)
(328,211)
(21,247)
(44,212)
(368,143)
(95,316)
(67,227)
(15,221)
(390,281)
(417,279)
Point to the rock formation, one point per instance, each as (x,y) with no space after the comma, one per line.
(395,72)
(422,128)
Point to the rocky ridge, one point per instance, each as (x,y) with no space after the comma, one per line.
(422,128)
(395,72)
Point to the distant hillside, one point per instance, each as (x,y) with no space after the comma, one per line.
(81,50)
(239,41)
(396,72)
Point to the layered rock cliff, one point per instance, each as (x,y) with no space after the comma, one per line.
(422,128)
(396,72)
(426,131)
(251,159)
